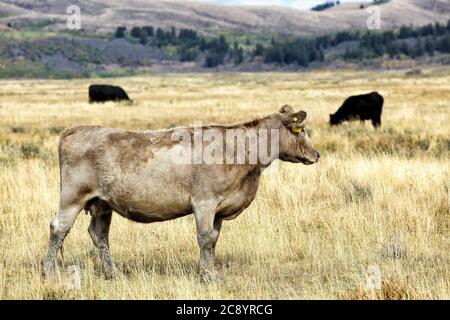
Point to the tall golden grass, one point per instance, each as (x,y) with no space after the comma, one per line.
(376,198)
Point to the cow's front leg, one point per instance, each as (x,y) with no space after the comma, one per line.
(208,230)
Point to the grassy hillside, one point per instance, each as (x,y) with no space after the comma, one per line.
(375,197)
(34,53)
(105,15)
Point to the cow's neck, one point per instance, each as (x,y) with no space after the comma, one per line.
(268,123)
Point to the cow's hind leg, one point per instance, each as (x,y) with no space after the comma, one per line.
(59,228)
(101,215)
(208,230)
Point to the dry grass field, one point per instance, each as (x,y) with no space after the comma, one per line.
(376,198)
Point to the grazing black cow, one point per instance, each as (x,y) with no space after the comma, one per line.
(103,93)
(362,107)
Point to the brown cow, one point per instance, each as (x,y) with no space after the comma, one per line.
(137,175)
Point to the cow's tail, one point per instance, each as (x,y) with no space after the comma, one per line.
(61,250)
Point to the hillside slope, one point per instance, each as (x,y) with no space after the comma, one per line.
(106,15)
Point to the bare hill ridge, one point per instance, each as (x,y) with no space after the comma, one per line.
(106,15)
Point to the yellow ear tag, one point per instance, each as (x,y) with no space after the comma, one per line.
(296,129)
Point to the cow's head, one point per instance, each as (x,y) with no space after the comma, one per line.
(334,119)
(295,145)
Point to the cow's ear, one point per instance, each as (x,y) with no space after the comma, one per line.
(301,115)
(286,109)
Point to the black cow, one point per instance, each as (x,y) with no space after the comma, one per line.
(103,93)
(362,107)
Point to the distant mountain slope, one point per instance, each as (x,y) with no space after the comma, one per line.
(106,15)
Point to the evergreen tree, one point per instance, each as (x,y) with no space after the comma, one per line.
(160,34)
(273,54)
(388,36)
(321,55)
(143,38)
(444,44)
(404,48)
(223,43)
(187,35)
(302,59)
(188,54)
(203,45)
(148,30)
(120,32)
(426,30)
(135,32)
(439,29)
(259,50)
(213,59)
(429,46)
(239,56)
(313,55)
(379,50)
(405,32)
(419,49)
(160,37)
(392,50)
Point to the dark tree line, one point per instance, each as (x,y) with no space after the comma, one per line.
(408,41)
(189,44)
(324,6)
(295,51)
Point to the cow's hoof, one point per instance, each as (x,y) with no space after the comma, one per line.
(109,275)
(48,270)
(109,272)
(211,277)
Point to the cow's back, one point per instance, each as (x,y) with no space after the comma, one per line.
(102,93)
(364,106)
(132,171)
(372,103)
